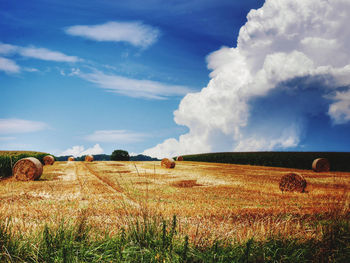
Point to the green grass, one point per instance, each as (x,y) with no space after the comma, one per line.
(9,158)
(339,161)
(157,240)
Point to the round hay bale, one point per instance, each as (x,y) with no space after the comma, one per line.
(48,160)
(71,159)
(179,158)
(185,183)
(320,165)
(89,158)
(168,163)
(292,182)
(27,169)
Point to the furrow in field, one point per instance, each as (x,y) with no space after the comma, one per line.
(110,185)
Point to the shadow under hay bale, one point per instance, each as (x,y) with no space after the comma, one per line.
(320,165)
(179,158)
(27,169)
(89,158)
(168,163)
(48,160)
(292,182)
(71,159)
(185,183)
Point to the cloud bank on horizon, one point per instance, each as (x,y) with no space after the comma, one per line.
(291,62)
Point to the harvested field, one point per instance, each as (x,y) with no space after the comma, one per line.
(210,200)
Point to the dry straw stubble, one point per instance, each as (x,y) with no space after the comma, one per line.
(49,160)
(292,182)
(27,169)
(168,163)
(320,165)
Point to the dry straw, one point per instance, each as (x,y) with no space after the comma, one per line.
(89,158)
(292,182)
(71,159)
(49,160)
(321,165)
(168,163)
(179,158)
(27,169)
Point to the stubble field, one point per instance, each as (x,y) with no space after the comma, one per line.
(211,201)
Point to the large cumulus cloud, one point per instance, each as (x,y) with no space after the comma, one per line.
(292,61)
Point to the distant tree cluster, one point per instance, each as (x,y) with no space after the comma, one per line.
(120,155)
(143,158)
(117,155)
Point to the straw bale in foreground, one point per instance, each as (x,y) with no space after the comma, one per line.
(168,163)
(292,182)
(27,169)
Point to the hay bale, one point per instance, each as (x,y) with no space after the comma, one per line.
(71,159)
(320,165)
(168,163)
(89,158)
(27,169)
(292,182)
(49,160)
(185,183)
(179,158)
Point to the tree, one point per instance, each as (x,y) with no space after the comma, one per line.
(120,155)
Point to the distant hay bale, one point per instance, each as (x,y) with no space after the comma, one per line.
(71,159)
(185,183)
(49,160)
(292,182)
(89,158)
(179,158)
(27,169)
(320,165)
(168,163)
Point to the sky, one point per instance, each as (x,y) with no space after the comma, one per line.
(168,78)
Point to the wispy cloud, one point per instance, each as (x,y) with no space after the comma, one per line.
(134,87)
(9,66)
(46,54)
(2,139)
(11,126)
(36,53)
(115,136)
(135,33)
(79,150)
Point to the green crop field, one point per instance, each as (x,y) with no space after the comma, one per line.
(339,161)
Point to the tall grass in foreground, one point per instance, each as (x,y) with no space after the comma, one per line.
(157,240)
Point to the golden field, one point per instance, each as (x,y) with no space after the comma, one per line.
(211,201)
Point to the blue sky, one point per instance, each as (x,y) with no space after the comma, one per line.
(164,77)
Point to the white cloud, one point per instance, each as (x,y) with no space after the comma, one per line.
(36,53)
(115,136)
(9,66)
(46,54)
(340,110)
(135,33)
(79,150)
(290,60)
(10,126)
(134,87)
(7,49)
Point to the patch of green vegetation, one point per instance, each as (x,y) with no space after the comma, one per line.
(158,240)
